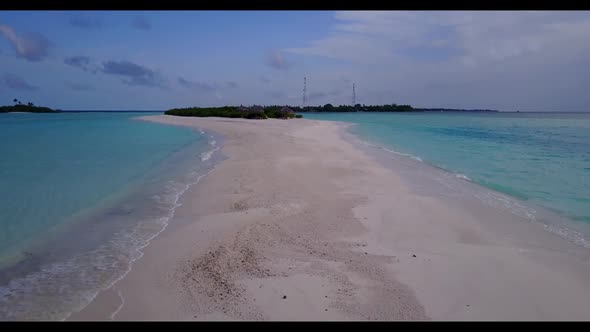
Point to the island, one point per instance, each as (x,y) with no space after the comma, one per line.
(253,112)
(380,108)
(287,112)
(19,107)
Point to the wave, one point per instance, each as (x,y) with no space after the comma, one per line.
(404,154)
(367,143)
(112,316)
(568,233)
(499,200)
(207,154)
(79,279)
(462,176)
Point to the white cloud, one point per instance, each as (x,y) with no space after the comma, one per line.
(481,36)
(407,55)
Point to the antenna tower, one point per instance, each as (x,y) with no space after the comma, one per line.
(304,90)
(353,95)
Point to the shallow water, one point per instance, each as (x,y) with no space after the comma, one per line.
(81,195)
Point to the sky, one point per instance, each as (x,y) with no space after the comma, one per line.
(156,60)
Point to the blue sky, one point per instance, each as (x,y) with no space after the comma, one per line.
(528,61)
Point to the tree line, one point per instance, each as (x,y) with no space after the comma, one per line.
(254,112)
(28,107)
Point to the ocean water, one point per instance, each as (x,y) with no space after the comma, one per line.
(540,159)
(80,195)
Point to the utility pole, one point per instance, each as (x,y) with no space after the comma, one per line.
(304,91)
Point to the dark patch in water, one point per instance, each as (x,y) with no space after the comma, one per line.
(119,211)
(21,268)
(465,132)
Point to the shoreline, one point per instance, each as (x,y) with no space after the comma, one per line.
(555,221)
(297,211)
(67,265)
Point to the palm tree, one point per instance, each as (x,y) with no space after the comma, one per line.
(15,100)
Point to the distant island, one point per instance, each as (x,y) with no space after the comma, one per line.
(254,112)
(19,107)
(286,112)
(380,108)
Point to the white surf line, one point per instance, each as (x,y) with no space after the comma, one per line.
(112,317)
(139,250)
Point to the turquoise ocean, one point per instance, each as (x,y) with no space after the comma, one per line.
(541,160)
(80,195)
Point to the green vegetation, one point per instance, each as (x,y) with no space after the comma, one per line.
(26,108)
(29,107)
(254,112)
(288,112)
(225,112)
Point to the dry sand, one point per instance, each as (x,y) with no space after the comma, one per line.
(299,224)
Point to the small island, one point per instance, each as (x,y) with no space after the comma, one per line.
(19,107)
(387,108)
(287,112)
(254,112)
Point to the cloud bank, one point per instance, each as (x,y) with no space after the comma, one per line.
(134,74)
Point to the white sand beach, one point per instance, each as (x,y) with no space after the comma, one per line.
(300,224)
